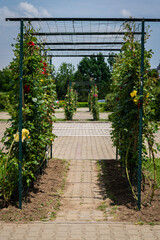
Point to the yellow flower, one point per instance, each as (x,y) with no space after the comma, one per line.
(51,139)
(147,96)
(133,94)
(41,80)
(29,137)
(135,100)
(16,137)
(25,134)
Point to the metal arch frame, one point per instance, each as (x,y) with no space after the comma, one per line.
(142,21)
(86,19)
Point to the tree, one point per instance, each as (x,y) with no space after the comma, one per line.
(97,68)
(64,75)
(79,77)
(4,80)
(111,60)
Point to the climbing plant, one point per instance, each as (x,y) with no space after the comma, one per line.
(89,101)
(69,106)
(125,118)
(94,102)
(38,113)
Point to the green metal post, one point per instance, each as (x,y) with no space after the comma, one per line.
(116,153)
(50,61)
(20,114)
(89,100)
(94,102)
(75,100)
(51,126)
(70,96)
(141,115)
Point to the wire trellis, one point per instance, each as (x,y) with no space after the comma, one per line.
(82,38)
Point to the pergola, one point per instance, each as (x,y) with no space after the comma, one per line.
(81,37)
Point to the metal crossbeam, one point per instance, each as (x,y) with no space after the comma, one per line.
(81,43)
(82,49)
(86,19)
(81,33)
(80,55)
(83,83)
(83,89)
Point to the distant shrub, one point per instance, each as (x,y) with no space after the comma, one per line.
(82,104)
(4,101)
(109,104)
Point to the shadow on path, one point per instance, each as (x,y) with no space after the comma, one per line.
(114,184)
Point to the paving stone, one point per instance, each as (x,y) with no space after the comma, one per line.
(105,237)
(134,237)
(132,231)
(147,235)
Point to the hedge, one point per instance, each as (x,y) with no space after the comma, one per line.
(4,100)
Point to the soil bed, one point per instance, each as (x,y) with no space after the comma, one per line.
(43,199)
(114,183)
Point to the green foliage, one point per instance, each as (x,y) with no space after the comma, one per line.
(63,76)
(111,61)
(82,104)
(5,80)
(4,101)
(125,118)
(156,103)
(78,77)
(69,106)
(38,109)
(109,102)
(150,169)
(97,68)
(93,102)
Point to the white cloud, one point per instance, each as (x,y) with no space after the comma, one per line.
(5,12)
(28,9)
(24,9)
(126,13)
(31,11)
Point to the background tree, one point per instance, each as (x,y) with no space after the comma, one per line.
(79,77)
(64,74)
(111,60)
(4,80)
(96,68)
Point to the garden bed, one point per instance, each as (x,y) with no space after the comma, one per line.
(115,185)
(42,200)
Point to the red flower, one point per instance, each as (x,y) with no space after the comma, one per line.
(31,44)
(95,95)
(44,69)
(117,99)
(45,64)
(26,88)
(121,87)
(43,73)
(41,61)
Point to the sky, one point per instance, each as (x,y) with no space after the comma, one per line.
(75,8)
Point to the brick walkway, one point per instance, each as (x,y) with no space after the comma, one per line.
(78,218)
(78,231)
